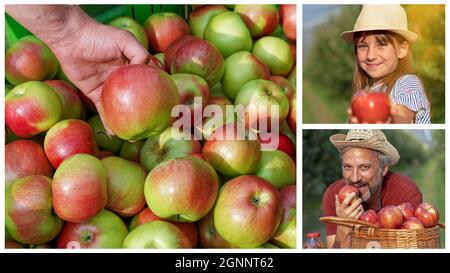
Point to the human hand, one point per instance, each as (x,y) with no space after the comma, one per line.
(93,53)
(347,209)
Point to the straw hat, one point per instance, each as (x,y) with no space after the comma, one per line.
(381,17)
(366,138)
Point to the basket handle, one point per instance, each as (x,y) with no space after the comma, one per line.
(346,222)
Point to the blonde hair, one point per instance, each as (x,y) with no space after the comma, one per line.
(405,65)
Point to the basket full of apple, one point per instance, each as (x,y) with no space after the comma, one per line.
(70,183)
(399,226)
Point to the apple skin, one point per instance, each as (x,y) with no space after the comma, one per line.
(190,86)
(200,17)
(369,216)
(286,234)
(212,121)
(412,223)
(28,210)
(228,33)
(284,144)
(407,210)
(288,20)
(156,234)
(29,59)
(130,25)
(105,230)
(261,20)
(171,144)
(23,158)
(192,55)
(284,84)
(276,53)
(371,107)
(181,190)
(137,101)
(346,191)
(146,215)
(248,211)
(292,116)
(32,108)
(102,138)
(125,186)
(427,214)
(131,150)
(250,68)
(72,106)
(277,168)
(79,188)
(258,97)
(208,237)
(390,217)
(230,153)
(69,137)
(163,28)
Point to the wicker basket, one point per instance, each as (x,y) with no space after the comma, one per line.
(366,235)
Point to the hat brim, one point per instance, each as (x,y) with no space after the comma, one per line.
(408,35)
(386,148)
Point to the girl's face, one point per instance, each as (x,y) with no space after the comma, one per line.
(377,56)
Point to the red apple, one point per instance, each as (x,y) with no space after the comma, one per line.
(390,217)
(146,215)
(189,87)
(427,214)
(23,158)
(69,137)
(182,189)
(346,191)
(286,234)
(407,210)
(29,59)
(288,20)
(248,211)
(261,20)
(279,142)
(164,28)
(230,152)
(193,55)
(200,17)
(105,230)
(125,186)
(250,68)
(79,188)
(369,216)
(412,223)
(171,144)
(32,108)
(371,107)
(29,218)
(137,101)
(208,237)
(72,106)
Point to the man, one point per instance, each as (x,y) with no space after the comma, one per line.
(366,156)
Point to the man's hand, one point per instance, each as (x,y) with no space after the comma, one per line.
(346,210)
(87,51)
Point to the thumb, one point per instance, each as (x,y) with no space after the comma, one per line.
(95,96)
(133,50)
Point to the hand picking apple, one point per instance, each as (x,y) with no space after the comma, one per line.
(193,146)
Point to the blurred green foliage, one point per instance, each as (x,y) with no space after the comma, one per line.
(424,163)
(330,62)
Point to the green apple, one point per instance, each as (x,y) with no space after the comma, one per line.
(102,138)
(286,233)
(276,53)
(276,167)
(200,17)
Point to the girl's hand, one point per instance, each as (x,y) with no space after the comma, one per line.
(401,114)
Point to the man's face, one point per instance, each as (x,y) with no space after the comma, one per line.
(361,168)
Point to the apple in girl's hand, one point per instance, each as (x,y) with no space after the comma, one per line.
(346,191)
(371,107)
(427,214)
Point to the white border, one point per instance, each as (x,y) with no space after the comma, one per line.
(299,135)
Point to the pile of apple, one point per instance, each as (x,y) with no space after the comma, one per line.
(402,216)
(70,184)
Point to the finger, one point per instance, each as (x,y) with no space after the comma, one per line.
(133,50)
(356,202)
(337,203)
(357,212)
(348,199)
(95,96)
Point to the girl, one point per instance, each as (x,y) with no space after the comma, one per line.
(384,62)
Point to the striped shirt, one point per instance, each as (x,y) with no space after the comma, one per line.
(409,92)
